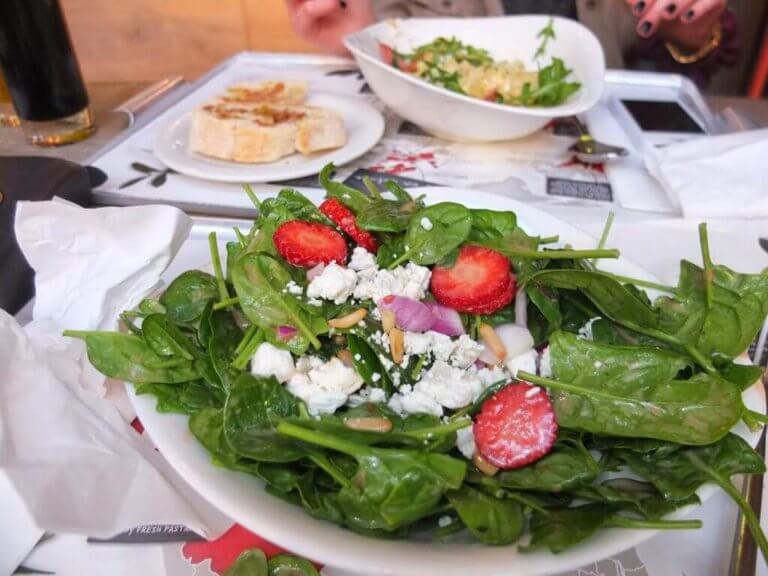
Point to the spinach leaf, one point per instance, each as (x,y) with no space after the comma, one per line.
(204,327)
(185,298)
(744,376)
(389,252)
(553,88)
(287,565)
(290,204)
(128,357)
(677,478)
(450,224)
(224,340)
(368,365)
(627,494)
(631,391)
(386,215)
(489,224)
(252,410)
(186,398)
(612,298)
(728,324)
(392,487)
(251,562)
(207,426)
(491,520)
(559,529)
(548,304)
(352,198)
(398,191)
(567,466)
(165,338)
(259,281)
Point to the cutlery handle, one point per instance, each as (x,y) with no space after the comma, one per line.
(140,101)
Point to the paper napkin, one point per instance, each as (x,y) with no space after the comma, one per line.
(715,177)
(74,460)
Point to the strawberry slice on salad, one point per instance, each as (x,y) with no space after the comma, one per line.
(515,426)
(479,282)
(345,219)
(308,244)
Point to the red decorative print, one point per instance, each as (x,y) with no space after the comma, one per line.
(397,162)
(137,425)
(576,162)
(223,551)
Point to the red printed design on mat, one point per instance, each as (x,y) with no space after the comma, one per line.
(137,425)
(576,162)
(223,551)
(397,162)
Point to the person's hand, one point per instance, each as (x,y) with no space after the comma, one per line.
(325,22)
(687,24)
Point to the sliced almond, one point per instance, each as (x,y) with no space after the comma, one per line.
(483,465)
(345,356)
(369,424)
(387,320)
(492,340)
(349,320)
(396,345)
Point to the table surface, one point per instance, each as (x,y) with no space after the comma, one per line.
(106,96)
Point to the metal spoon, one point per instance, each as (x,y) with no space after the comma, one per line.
(591,151)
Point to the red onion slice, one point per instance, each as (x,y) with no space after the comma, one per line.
(447,320)
(286,333)
(410,314)
(314,272)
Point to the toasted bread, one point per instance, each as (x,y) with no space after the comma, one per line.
(262,123)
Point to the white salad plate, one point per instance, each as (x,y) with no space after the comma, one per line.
(243,498)
(455,116)
(364,124)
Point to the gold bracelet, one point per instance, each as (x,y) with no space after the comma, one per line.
(690,57)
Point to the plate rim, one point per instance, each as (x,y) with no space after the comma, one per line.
(386,565)
(374,122)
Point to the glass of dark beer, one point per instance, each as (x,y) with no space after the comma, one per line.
(42,73)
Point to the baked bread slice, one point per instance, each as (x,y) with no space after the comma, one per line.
(244,134)
(320,129)
(268,92)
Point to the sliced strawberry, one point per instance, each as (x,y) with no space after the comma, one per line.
(345,219)
(387,53)
(479,282)
(308,244)
(515,426)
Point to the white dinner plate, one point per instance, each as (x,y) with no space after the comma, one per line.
(365,126)
(242,497)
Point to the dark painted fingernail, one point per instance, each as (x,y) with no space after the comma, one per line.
(689,15)
(342,4)
(671,8)
(639,7)
(645,27)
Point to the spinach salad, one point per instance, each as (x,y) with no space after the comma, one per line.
(400,368)
(465,69)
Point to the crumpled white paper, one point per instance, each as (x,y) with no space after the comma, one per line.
(716,176)
(74,460)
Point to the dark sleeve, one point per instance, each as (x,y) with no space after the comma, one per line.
(652,54)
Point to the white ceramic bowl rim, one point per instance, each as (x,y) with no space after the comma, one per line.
(566,109)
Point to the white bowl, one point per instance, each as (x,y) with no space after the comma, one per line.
(454,116)
(244,499)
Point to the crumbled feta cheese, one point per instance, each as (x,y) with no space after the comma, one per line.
(465,442)
(361,259)
(426,223)
(326,387)
(414,402)
(525,362)
(334,283)
(372,395)
(315,302)
(491,376)
(461,352)
(375,376)
(269,360)
(411,281)
(545,363)
(449,386)
(307,363)
(465,351)
(598,364)
(444,521)
(357,357)
(585,331)
(293,288)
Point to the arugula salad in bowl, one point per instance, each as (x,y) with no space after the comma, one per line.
(417,370)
